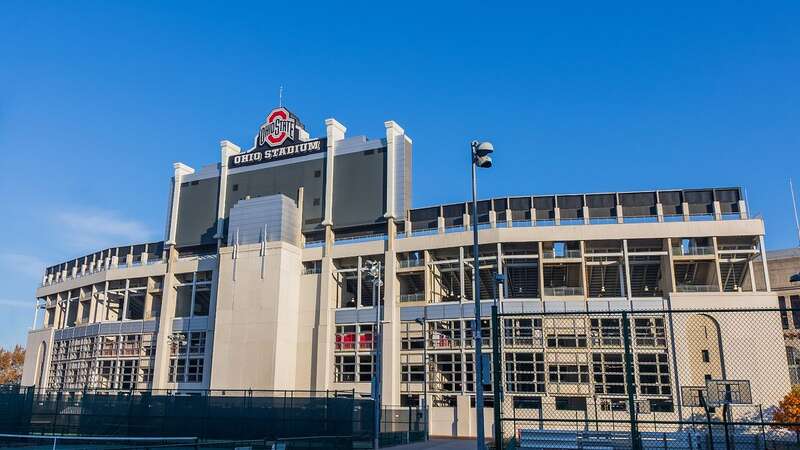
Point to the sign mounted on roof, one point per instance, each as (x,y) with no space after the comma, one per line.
(280,126)
(265,155)
(282,136)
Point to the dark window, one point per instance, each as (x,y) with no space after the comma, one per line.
(528,402)
(316,202)
(571,403)
(706,356)
(183,302)
(202,300)
(235,187)
(661,405)
(317,173)
(784,314)
(794,303)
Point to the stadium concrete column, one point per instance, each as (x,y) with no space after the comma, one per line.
(670,269)
(227,149)
(161,364)
(181,170)
(390,361)
(717,268)
(323,371)
(763,250)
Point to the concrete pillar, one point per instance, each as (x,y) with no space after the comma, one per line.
(626,261)
(716,259)
(586,218)
(492,219)
(660,212)
(334,131)
(541,270)
(671,268)
(620,214)
(180,171)
(168,297)
(323,368)
(717,211)
(391,327)
(557,214)
(584,275)
(742,209)
(394,139)
(685,211)
(763,250)
(227,149)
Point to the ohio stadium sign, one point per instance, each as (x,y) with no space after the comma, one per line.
(265,155)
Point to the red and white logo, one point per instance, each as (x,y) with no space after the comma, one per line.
(280,126)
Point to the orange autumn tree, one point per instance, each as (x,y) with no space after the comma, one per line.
(11,365)
(789,410)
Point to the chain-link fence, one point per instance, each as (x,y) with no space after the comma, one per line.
(333,416)
(697,379)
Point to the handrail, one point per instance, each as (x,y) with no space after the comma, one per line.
(563,291)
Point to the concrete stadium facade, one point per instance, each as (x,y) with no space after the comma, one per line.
(259,281)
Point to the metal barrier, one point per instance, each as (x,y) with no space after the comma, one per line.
(693,379)
(302,417)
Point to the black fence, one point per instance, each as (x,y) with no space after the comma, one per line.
(337,419)
(697,379)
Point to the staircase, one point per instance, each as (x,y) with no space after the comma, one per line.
(645,279)
(732,275)
(604,276)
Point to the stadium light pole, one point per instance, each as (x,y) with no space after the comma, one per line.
(480,157)
(424,323)
(373,269)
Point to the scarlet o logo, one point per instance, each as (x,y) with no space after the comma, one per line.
(280,125)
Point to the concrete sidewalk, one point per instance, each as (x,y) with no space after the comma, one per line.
(440,444)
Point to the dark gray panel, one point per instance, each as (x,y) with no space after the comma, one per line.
(359,188)
(285,179)
(197,213)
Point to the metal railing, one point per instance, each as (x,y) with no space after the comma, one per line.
(416,297)
(360,238)
(412,262)
(203,416)
(697,288)
(562,291)
(551,254)
(693,251)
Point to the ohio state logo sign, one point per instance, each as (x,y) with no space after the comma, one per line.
(280,126)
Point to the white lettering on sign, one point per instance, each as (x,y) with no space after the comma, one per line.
(274,154)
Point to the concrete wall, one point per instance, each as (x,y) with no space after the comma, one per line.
(256,339)
(38,350)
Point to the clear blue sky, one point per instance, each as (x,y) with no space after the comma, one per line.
(97,100)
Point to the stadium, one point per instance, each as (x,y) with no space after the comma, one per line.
(266,280)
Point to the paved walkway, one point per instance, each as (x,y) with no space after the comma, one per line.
(440,444)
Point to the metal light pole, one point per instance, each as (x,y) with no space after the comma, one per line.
(373,268)
(424,323)
(479,157)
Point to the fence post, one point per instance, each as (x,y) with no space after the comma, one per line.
(636,442)
(498,385)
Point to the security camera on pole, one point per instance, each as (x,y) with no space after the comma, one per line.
(480,154)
